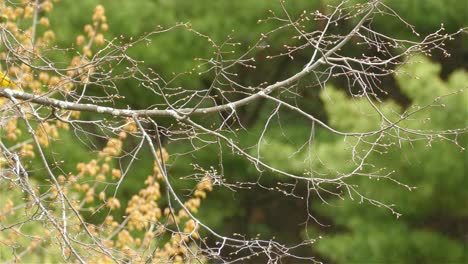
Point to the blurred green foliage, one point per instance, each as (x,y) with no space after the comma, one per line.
(175,51)
(431,228)
(430,213)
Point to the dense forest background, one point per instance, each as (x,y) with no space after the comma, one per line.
(433,226)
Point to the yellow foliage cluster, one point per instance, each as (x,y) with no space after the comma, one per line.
(93,35)
(6,210)
(12,130)
(86,190)
(45,131)
(100,169)
(113,148)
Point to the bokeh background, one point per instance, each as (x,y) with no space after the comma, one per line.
(433,227)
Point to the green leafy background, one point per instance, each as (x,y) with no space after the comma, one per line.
(433,226)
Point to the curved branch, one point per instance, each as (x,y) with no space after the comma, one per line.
(60,104)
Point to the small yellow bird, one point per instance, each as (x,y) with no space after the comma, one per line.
(5,81)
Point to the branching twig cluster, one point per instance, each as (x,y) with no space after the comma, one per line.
(49,98)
